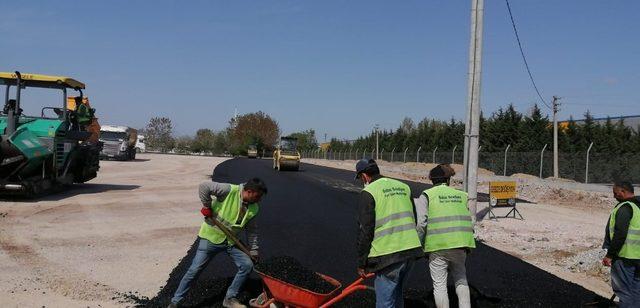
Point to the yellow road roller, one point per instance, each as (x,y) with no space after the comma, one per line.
(286,155)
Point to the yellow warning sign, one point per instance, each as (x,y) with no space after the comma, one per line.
(502,193)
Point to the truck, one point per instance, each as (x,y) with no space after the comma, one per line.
(119,142)
(141,147)
(252,151)
(47,152)
(286,155)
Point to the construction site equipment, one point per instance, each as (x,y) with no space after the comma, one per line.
(39,153)
(281,293)
(252,151)
(286,155)
(141,147)
(119,142)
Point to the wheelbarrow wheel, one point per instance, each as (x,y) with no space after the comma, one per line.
(263,301)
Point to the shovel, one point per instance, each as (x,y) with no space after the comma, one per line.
(214,222)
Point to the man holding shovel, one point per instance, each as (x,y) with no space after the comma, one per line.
(232,210)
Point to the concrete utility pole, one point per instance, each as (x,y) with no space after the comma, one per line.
(376,128)
(555,136)
(472,125)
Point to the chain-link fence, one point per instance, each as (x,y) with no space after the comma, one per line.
(594,168)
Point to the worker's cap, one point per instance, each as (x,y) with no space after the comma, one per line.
(365,165)
(442,171)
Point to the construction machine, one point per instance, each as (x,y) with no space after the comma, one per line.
(286,155)
(44,152)
(252,151)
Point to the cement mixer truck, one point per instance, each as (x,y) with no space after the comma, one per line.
(42,153)
(119,142)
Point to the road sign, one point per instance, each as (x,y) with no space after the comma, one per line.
(503,194)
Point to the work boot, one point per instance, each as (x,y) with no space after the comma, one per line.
(232,303)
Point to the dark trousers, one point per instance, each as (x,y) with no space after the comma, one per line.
(625,283)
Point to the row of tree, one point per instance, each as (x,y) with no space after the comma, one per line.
(256,128)
(524,132)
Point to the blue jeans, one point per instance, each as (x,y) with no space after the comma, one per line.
(389,284)
(206,251)
(625,284)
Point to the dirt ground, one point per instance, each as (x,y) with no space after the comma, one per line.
(124,230)
(562,230)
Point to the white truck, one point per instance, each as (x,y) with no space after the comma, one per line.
(119,142)
(141,147)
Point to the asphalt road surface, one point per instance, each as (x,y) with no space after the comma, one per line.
(311,215)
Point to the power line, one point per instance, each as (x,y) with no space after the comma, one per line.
(515,30)
(600,105)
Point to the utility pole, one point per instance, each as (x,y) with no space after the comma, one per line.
(472,125)
(555,136)
(376,128)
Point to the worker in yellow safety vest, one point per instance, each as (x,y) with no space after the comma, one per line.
(234,206)
(387,239)
(622,241)
(445,227)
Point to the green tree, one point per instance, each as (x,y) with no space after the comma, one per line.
(535,132)
(159,134)
(306,140)
(256,128)
(204,141)
(183,144)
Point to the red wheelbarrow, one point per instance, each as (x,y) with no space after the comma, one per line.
(285,294)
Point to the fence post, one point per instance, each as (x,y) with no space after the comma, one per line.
(372,150)
(356,155)
(453,155)
(364,153)
(586,171)
(418,155)
(434,154)
(505,159)
(350,148)
(393,150)
(381,154)
(479,148)
(404,159)
(542,158)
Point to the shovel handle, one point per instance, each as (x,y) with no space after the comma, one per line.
(230,235)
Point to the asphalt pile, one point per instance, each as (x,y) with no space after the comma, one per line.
(290,270)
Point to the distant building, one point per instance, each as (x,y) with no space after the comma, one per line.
(632,122)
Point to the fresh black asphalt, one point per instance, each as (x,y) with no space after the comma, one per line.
(311,216)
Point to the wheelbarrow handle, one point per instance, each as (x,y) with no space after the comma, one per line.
(353,287)
(360,280)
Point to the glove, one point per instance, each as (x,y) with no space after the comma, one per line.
(206,211)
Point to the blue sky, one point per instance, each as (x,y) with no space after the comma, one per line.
(338,67)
